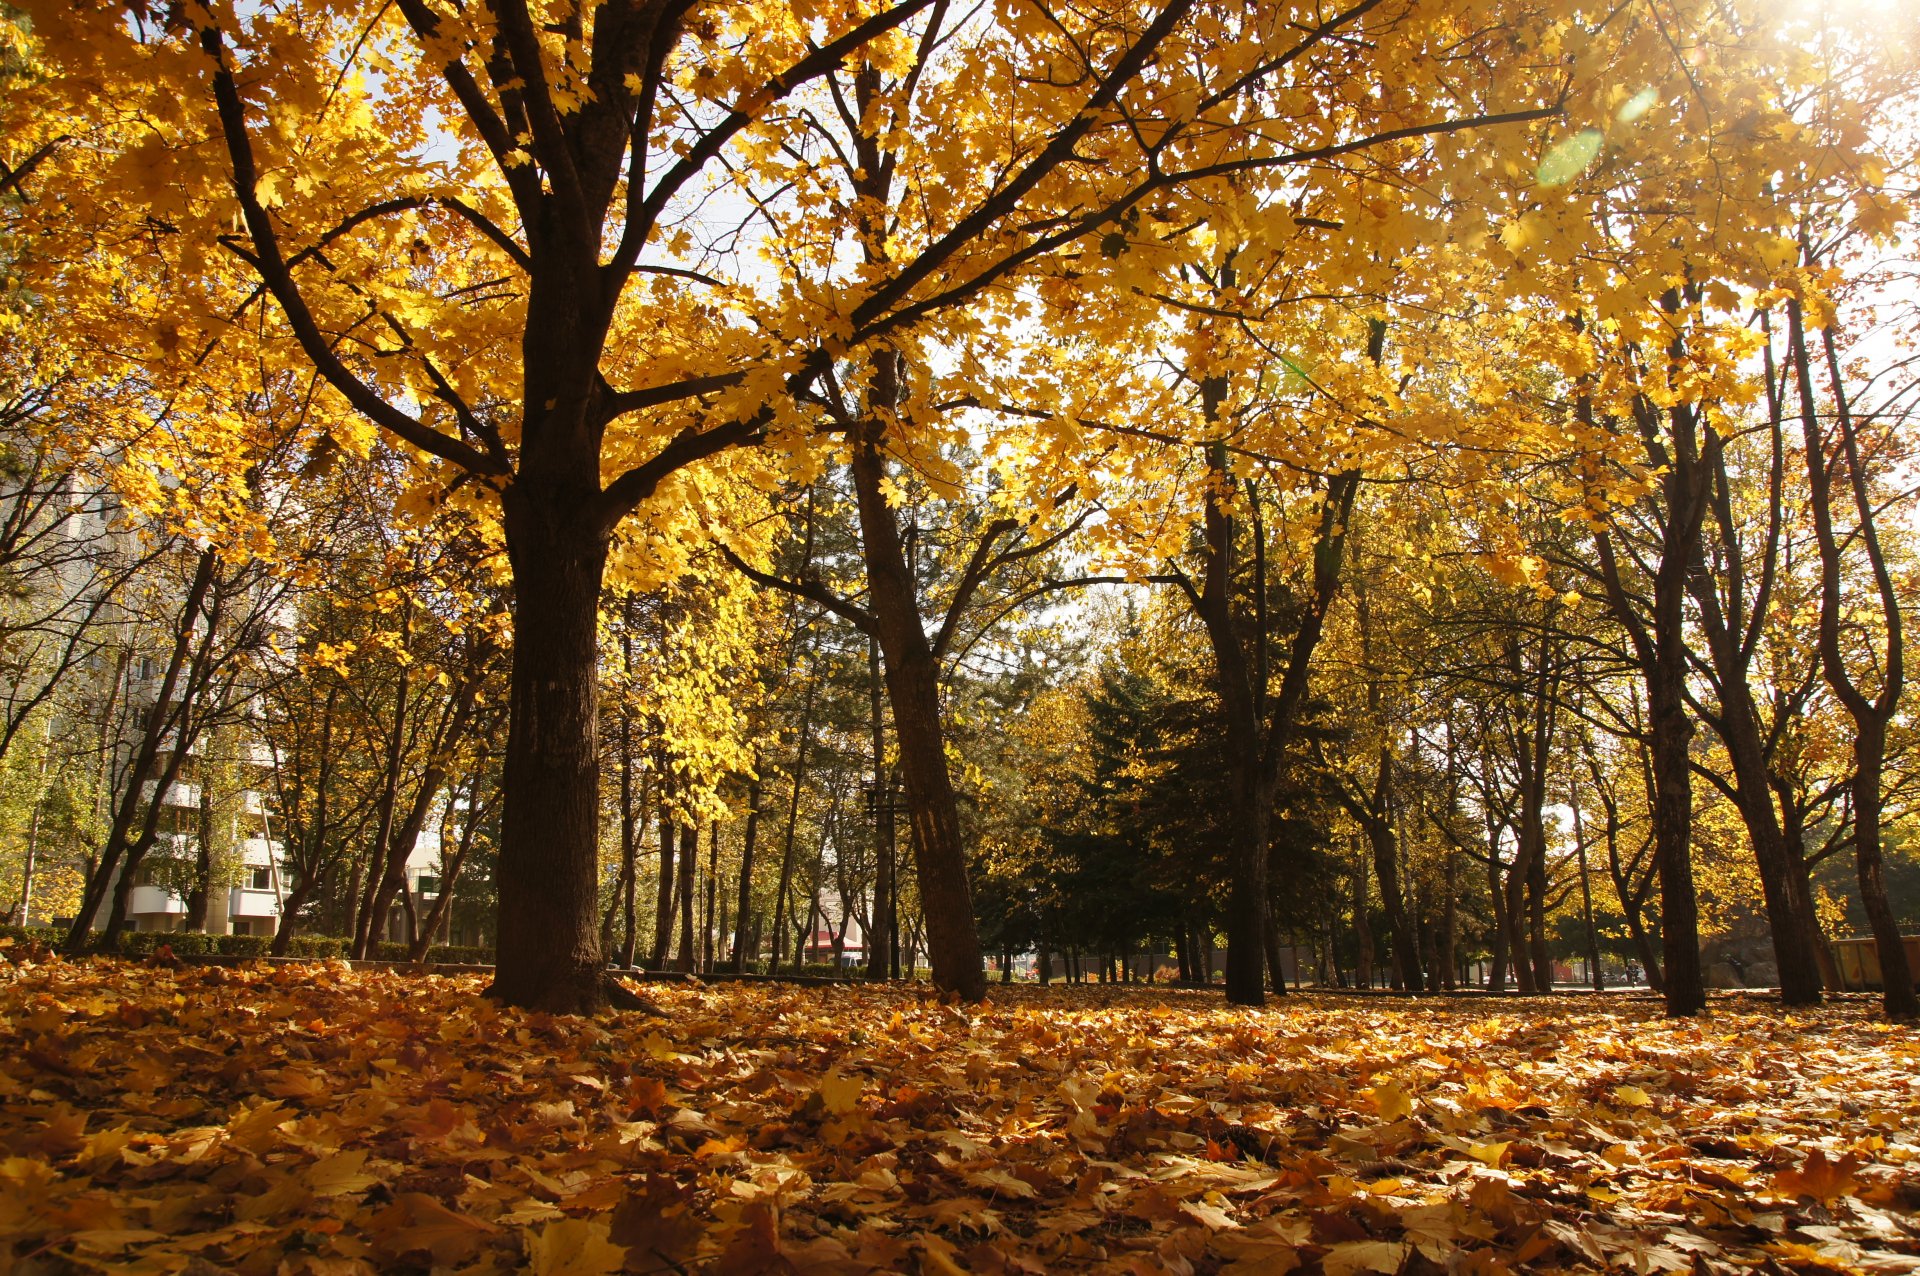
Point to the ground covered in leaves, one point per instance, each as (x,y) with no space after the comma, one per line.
(314,1119)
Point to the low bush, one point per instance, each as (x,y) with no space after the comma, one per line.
(317,946)
(52,936)
(460,955)
(181,943)
(242,945)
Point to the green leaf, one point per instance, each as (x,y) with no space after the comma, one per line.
(1570,158)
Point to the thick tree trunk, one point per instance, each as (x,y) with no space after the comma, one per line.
(1251,776)
(1898,995)
(880,938)
(1783,882)
(913,686)
(548,876)
(298,898)
(1672,729)
(1686,454)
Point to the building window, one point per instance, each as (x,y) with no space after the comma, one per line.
(260,879)
(428,885)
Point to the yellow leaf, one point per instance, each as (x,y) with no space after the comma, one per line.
(839,1094)
(339,1174)
(1364,1256)
(1489,1153)
(1819,1178)
(1391,1101)
(574,1247)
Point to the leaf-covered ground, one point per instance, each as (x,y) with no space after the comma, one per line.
(313,1119)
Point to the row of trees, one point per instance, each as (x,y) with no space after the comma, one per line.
(1194,295)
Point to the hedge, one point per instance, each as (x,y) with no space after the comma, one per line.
(182,943)
(186,943)
(317,946)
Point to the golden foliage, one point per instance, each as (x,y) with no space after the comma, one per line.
(309,1118)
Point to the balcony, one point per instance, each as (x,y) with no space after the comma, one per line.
(245,902)
(151,901)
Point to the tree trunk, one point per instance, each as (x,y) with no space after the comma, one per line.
(1784,885)
(1899,997)
(1897,993)
(743,919)
(707,932)
(880,939)
(198,896)
(782,896)
(1586,896)
(1672,729)
(663,894)
(1685,454)
(1362,928)
(440,915)
(379,866)
(153,733)
(548,875)
(689,865)
(913,686)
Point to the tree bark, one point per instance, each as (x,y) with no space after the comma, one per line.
(1899,998)
(689,865)
(160,717)
(913,687)
(707,931)
(743,919)
(663,894)
(781,896)
(548,955)
(880,936)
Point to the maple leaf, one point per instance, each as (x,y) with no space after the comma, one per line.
(340,1174)
(418,1222)
(1391,1101)
(755,1245)
(1819,1178)
(839,1094)
(574,1247)
(657,1222)
(1348,1257)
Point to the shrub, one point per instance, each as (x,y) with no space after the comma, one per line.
(183,943)
(33,937)
(242,945)
(316,946)
(460,955)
